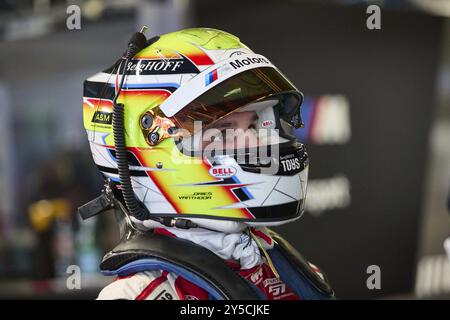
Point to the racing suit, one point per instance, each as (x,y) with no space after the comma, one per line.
(244,252)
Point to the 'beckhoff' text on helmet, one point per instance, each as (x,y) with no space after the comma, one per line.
(208,129)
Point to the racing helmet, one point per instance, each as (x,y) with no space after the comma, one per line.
(208,130)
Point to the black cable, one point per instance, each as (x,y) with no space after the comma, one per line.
(133,206)
(136,43)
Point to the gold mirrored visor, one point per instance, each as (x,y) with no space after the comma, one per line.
(236,92)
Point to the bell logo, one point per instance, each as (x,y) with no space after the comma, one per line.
(267,123)
(222,172)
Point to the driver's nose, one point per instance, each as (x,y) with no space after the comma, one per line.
(245,136)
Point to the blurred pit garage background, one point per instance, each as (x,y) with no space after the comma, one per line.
(377,115)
